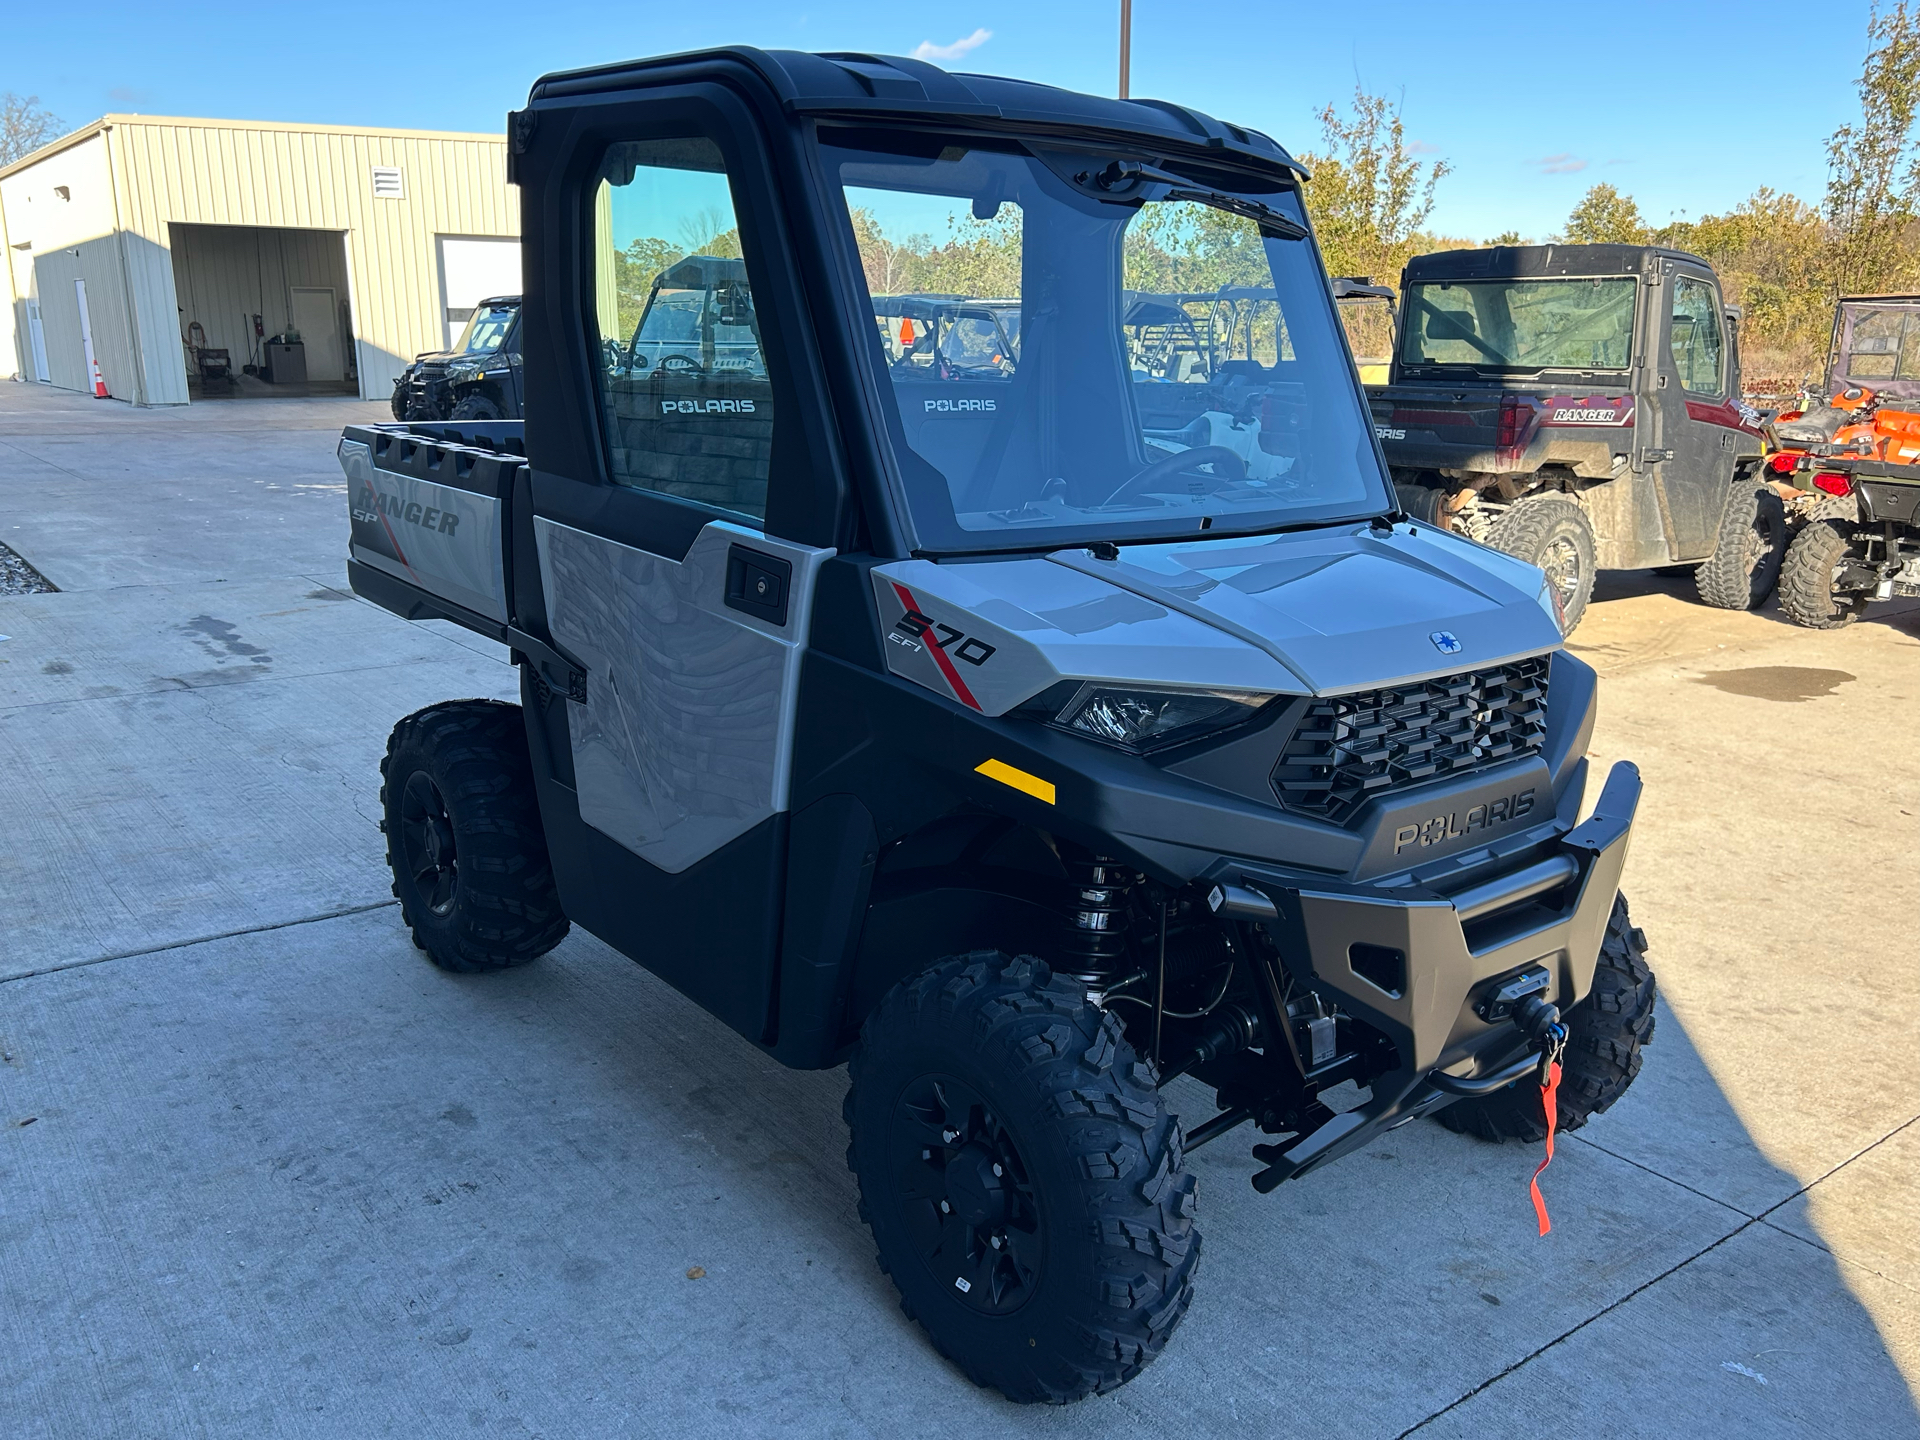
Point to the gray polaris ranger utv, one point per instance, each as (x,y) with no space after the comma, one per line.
(950,721)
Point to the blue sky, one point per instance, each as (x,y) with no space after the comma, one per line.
(1688,107)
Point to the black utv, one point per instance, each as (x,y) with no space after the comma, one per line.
(478,379)
(1579,406)
(951,721)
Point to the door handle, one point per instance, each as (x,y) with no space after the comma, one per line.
(757,584)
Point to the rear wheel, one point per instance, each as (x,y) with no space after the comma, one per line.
(1810,592)
(1022,1178)
(464,839)
(1745,563)
(1554,533)
(1605,1035)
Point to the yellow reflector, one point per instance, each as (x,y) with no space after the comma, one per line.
(1019,779)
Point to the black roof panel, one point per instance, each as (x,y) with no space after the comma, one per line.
(1517,262)
(852,84)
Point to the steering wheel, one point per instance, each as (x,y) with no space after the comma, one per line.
(1226,464)
(685,364)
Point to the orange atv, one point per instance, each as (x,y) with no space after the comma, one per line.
(1854,473)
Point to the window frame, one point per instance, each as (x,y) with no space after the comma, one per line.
(1717,313)
(809,500)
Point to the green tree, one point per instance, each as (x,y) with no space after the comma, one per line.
(1507,237)
(25,125)
(1872,173)
(1369,196)
(1605,217)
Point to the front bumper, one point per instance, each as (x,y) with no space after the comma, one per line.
(1433,958)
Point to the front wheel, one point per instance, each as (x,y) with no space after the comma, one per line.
(1554,533)
(1746,558)
(1605,1034)
(1022,1178)
(476,407)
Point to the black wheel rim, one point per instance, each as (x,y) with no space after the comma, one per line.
(426,842)
(966,1196)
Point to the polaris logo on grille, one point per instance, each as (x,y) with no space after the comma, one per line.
(1454,826)
(1446,642)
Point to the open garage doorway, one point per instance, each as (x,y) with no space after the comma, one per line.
(263,311)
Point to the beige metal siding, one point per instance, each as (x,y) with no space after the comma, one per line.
(146,175)
(55,240)
(229,173)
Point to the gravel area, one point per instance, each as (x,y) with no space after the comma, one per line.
(17,577)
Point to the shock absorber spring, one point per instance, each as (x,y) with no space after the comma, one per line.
(1096,942)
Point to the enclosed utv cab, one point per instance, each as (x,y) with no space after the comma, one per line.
(966,633)
(477,379)
(1579,406)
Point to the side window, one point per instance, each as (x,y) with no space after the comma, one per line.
(687,405)
(1698,349)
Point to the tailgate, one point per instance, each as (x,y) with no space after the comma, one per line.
(430,513)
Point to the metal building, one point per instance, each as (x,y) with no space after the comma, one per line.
(138,248)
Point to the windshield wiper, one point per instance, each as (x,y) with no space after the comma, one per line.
(1265,216)
(1118,176)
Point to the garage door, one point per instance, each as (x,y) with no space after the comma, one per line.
(475,270)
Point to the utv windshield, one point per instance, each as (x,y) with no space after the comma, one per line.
(1077,347)
(485,330)
(1578,324)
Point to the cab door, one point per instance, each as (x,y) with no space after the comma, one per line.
(1698,417)
(680,512)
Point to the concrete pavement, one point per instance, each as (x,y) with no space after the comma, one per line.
(293,1180)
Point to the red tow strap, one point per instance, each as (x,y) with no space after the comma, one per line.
(1550,1098)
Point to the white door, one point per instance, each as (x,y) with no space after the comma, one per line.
(37,341)
(314,315)
(472,271)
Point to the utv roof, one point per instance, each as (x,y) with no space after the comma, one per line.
(703,272)
(497,302)
(1880,300)
(1516,262)
(894,89)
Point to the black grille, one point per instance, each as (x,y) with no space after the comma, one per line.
(1348,749)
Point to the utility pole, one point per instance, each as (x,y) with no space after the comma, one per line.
(1126,44)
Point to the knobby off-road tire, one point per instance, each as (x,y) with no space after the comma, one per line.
(985,1061)
(462,822)
(1746,558)
(398,403)
(1554,533)
(1808,595)
(475,407)
(1605,1034)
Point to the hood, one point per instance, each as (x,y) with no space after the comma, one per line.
(1322,612)
(1348,608)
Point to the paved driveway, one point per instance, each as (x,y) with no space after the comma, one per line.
(264,1170)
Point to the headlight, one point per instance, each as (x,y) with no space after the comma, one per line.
(1137,718)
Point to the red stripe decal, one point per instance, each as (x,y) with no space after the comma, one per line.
(392,538)
(939,656)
